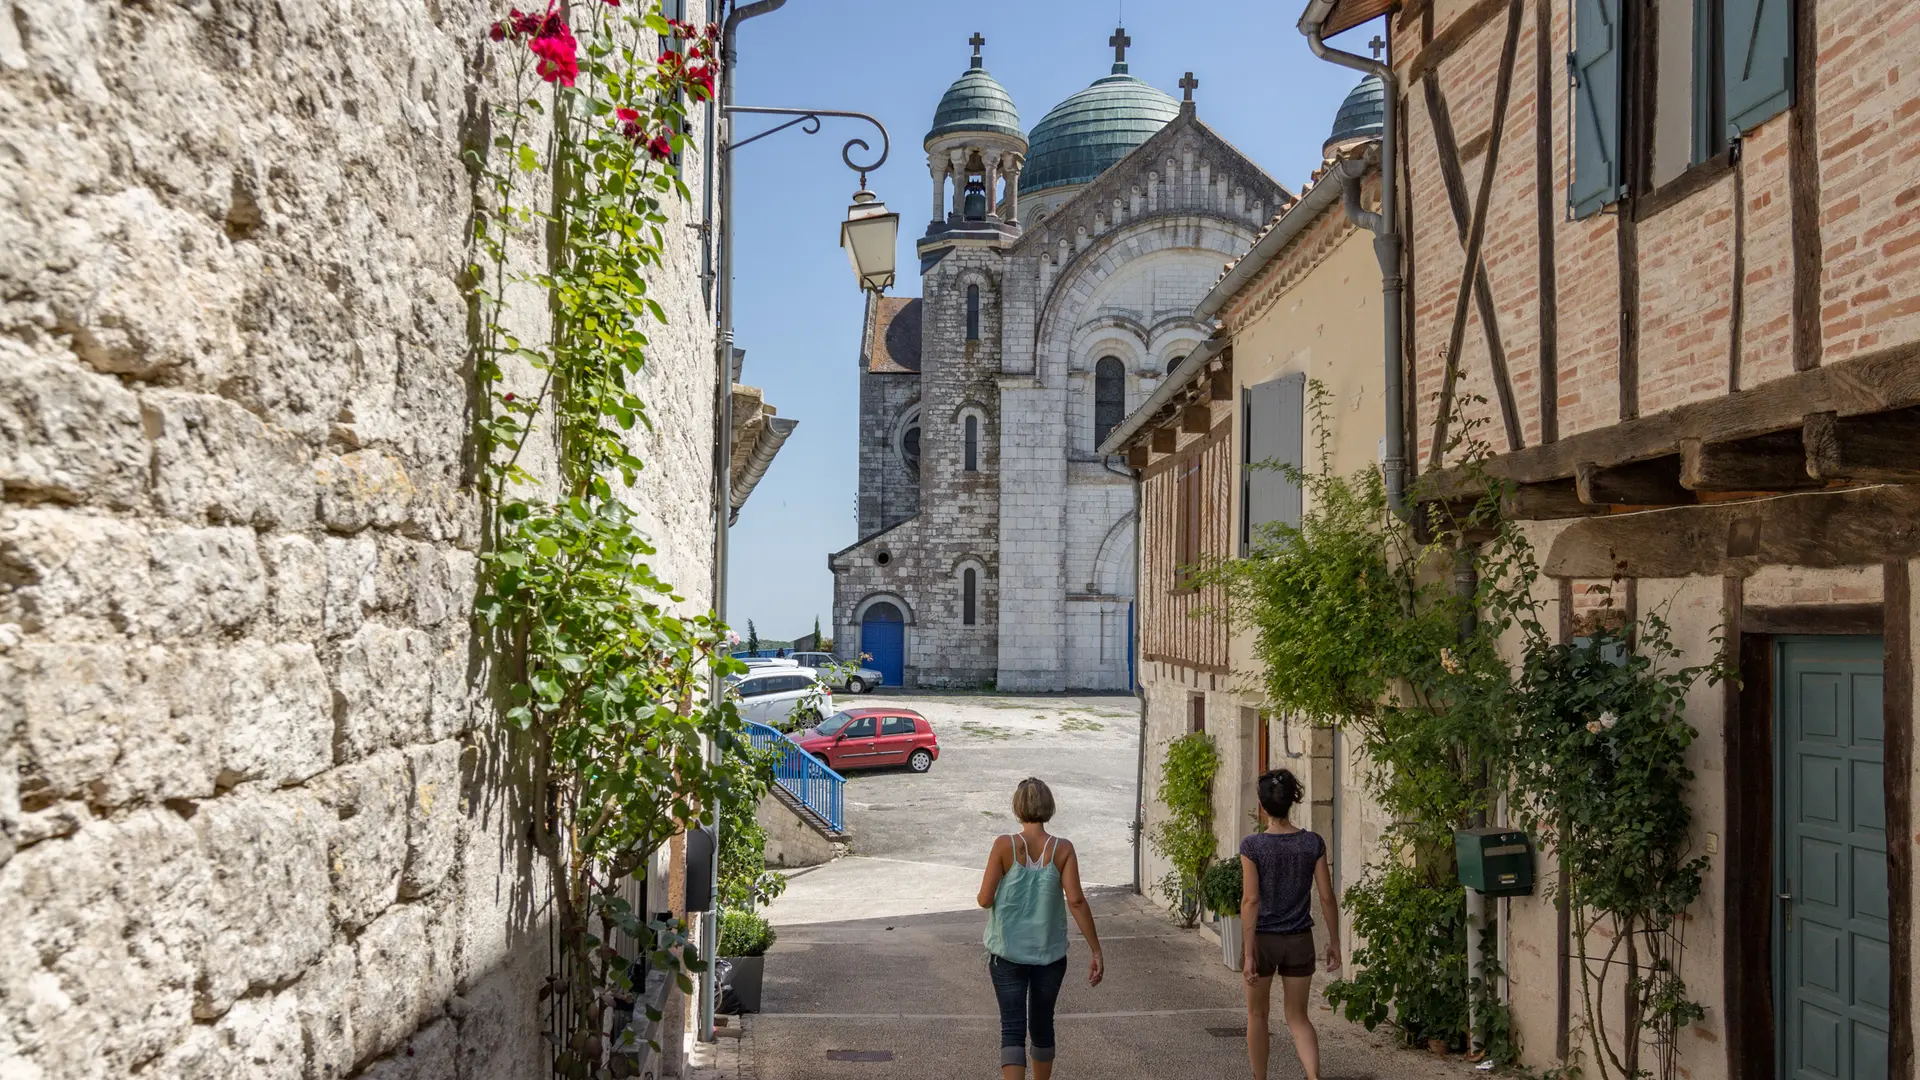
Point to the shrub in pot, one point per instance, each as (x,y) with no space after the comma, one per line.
(1220,887)
(745,937)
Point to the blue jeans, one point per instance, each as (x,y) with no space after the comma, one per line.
(1027,993)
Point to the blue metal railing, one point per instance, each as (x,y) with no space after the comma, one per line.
(805,777)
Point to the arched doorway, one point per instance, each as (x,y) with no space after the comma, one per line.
(883,636)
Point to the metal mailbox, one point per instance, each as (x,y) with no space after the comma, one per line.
(1495,862)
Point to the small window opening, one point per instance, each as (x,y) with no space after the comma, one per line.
(968,592)
(972,439)
(973,313)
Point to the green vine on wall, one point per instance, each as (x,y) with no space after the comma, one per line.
(606,678)
(1360,623)
(1185,836)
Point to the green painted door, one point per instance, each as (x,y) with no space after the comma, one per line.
(1833,966)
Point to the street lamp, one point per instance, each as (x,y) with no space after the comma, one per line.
(869,234)
(870,231)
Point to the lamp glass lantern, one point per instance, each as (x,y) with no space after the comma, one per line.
(869,235)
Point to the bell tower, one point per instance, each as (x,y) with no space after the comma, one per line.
(975,151)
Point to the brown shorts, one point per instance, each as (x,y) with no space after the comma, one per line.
(1291,955)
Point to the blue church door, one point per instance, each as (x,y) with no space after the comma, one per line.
(883,636)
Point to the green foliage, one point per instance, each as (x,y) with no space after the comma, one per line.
(753,638)
(745,881)
(745,933)
(1221,885)
(1185,837)
(1412,970)
(1600,740)
(606,678)
(1357,623)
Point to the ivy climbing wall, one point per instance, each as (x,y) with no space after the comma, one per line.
(255,815)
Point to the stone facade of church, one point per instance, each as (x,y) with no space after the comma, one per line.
(1059,280)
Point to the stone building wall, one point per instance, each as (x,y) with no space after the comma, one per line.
(255,817)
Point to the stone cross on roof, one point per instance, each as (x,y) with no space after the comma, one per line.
(1188,84)
(1119,41)
(976,41)
(1377,46)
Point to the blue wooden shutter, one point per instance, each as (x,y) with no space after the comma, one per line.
(1759,60)
(1274,423)
(1594,67)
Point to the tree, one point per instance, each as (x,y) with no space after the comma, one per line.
(753,638)
(816,632)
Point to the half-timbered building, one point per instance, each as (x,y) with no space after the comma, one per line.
(1664,257)
(1298,320)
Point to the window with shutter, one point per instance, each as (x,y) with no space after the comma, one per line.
(1594,68)
(1273,434)
(1187,528)
(1758,59)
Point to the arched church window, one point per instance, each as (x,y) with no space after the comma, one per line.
(1174,363)
(972,438)
(910,449)
(1109,397)
(969,588)
(973,313)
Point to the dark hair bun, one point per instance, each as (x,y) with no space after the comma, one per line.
(1279,790)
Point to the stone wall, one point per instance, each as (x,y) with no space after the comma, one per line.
(255,817)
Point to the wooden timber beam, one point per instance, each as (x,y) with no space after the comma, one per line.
(1139,456)
(1164,440)
(1871,383)
(1639,483)
(1772,462)
(1881,449)
(1816,529)
(1220,386)
(1196,419)
(1546,502)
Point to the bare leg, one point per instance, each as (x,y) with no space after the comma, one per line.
(1043,1070)
(1012,1072)
(1259,1003)
(1296,992)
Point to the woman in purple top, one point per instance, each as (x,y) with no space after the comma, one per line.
(1280,869)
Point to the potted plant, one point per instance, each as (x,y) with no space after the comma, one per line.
(1220,887)
(745,937)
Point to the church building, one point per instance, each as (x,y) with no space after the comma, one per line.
(1060,270)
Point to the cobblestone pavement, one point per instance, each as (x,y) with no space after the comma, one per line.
(879,973)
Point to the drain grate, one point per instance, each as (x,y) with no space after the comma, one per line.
(859,1055)
(1228,1032)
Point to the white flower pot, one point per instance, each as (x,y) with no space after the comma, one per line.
(1231,943)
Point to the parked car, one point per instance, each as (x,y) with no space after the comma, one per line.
(754,662)
(872,738)
(841,674)
(770,694)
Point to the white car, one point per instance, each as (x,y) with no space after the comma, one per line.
(756,662)
(770,694)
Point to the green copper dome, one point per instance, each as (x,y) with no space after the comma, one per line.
(1362,115)
(1084,135)
(975,102)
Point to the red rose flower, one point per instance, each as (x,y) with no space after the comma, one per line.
(627,114)
(498,31)
(661,147)
(556,49)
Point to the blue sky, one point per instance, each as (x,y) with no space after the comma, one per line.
(797,312)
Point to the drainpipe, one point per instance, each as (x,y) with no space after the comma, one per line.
(1386,243)
(1466,585)
(1140,692)
(722,443)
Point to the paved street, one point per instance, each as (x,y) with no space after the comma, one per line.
(879,970)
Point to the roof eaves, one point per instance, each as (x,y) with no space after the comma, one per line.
(1170,388)
(1280,232)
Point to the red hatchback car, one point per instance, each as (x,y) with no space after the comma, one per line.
(867,738)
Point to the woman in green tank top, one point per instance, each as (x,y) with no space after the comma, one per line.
(1032,881)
